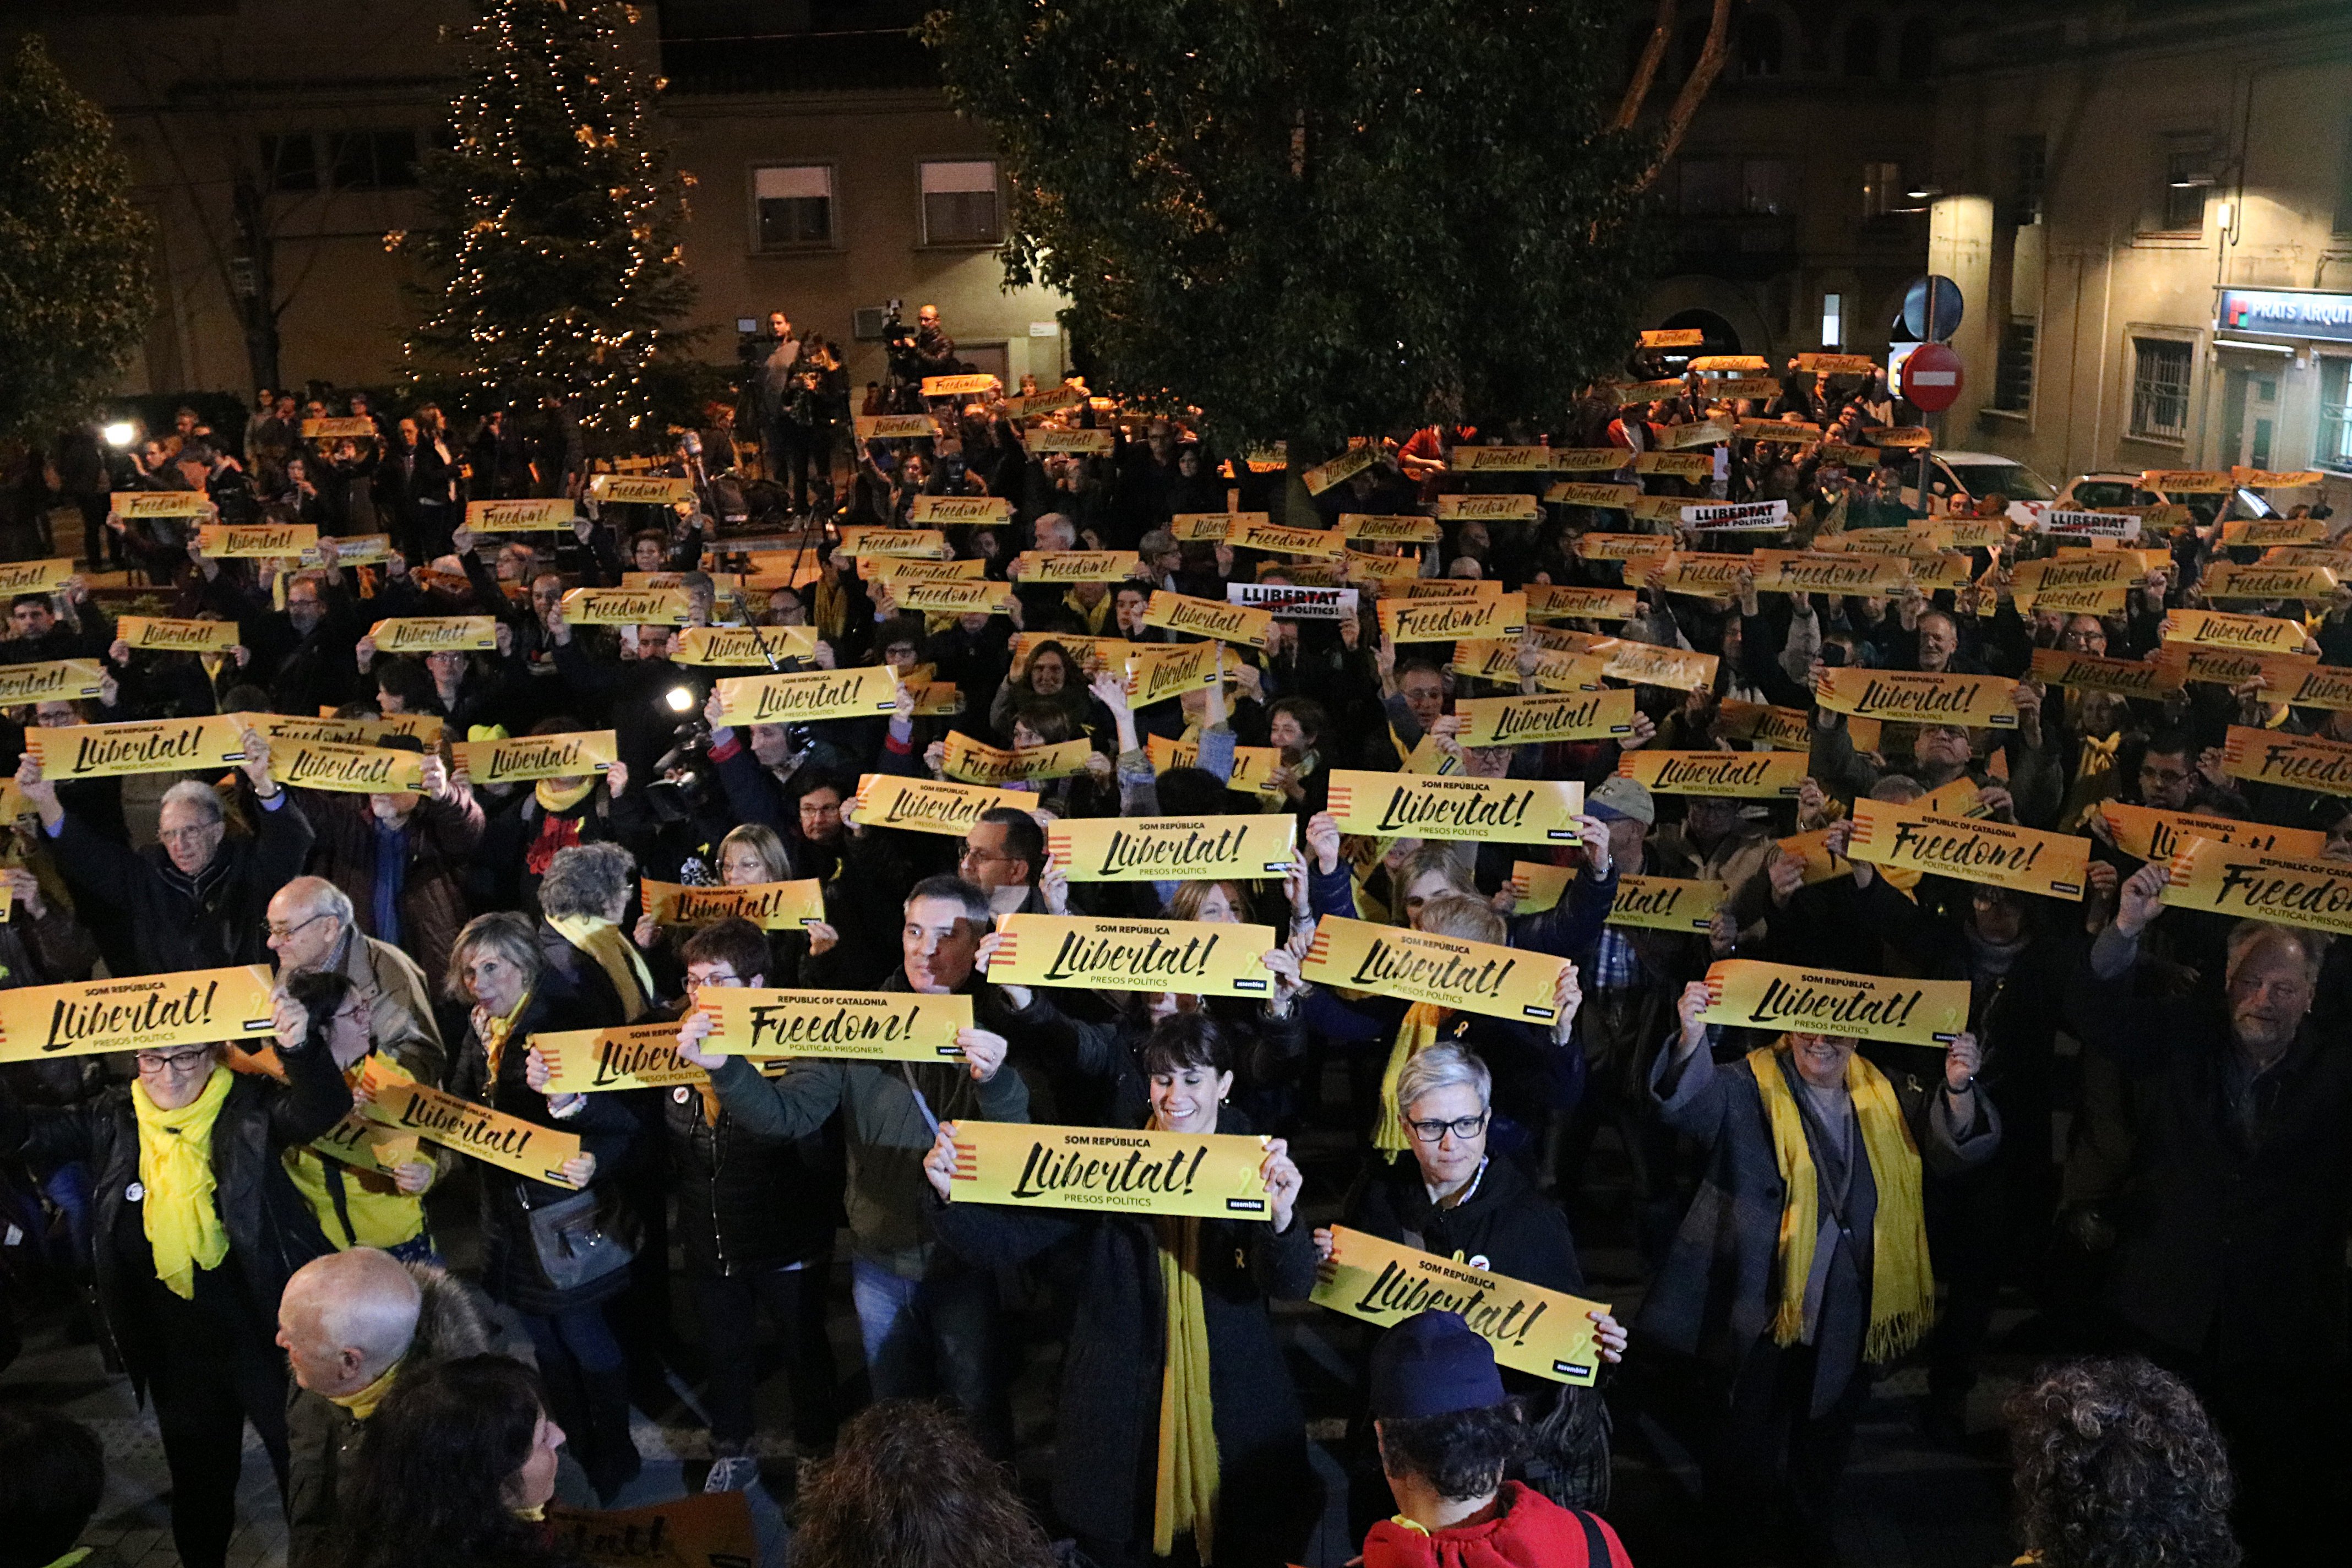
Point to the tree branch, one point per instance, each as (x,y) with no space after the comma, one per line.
(1693,93)
(1646,71)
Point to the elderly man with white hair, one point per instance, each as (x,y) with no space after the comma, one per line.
(314,929)
(197,900)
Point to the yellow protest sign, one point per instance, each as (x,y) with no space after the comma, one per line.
(35,576)
(50,680)
(930,805)
(2123,676)
(1418,966)
(969,596)
(2245,884)
(1808,571)
(144,746)
(2185,481)
(2258,532)
(869,1026)
(897,569)
(1666,387)
(2223,667)
(567,756)
(1697,466)
(961,510)
(128,504)
(1588,461)
(1812,852)
(2272,756)
(975,384)
(1253,765)
(1210,618)
(1698,433)
(1095,443)
(256,540)
(770,906)
(1537,886)
(1799,999)
(1451,590)
(1470,459)
(1172,848)
(894,427)
(739,647)
(1488,508)
(705,1530)
(1673,338)
(1495,811)
(1650,664)
(626,608)
(522,516)
(1606,497)
(928,543)
(346,769)
(1666,903)
(601,1061)
(1974,849)
(2245,634)
(1920,697)
(1208,527)
(1352,461)
(1068,394)
(2149,834)
(1412,528)
(425,727)
(163,634)
(641,489)
(434,633)
(976,762)
(1748,775)
(1520,720)
(2230,580)
(1077,565)
(1531,1329)
(1502,615)
(2271,479)
(1620,546)
(807,695)
(1838,364)
(1252,531)
(1784,729)
(1202,957)
(1909,438)
(1109,1170)
(493,1137)
(1155,673)
(146,1012)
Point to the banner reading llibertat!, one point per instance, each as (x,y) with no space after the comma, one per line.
(742,647)
(930,805)
(1564,602)
(1210,618)
(1253,765)
(1492,811)
(576,754)
(1198,957)
(1155,673)
(346,769)
(145,1012)
(491,1136)
(2147,833)
(2224,880)
(1531,1329)
(1521,721)
(1352,461)
(1418,966)
(2272,756)
(141,746)
(1920,697)
(808,695)
(1744,776)
(1109,1170)
(605,1061)
(1650,664)
(50,680)
(867,1026)
(2251,634)
(1974,849)
(35,576)
(164,633)
(770,906)
(1406,529)
(2122,676)
(434,633)
(1172,848)
(1665,904)
(256,540)
(1805,1000)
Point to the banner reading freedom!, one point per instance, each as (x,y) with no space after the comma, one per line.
(1973,849)
(1547,1332)
(1213,1175)
(2269,756)
(1475,976)
(1758,995)
(1172,848)
(1205,957)
(870,1025)
(1493,811)
(146,1012)
(2247,885)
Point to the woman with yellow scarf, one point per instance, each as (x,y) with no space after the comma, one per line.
(196,1227)
(1803,1259)
(1177,1416)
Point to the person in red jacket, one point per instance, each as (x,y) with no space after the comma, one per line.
(1447,1430)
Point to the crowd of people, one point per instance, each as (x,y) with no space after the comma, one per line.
(2134,1135)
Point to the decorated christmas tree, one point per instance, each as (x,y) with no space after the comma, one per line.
(555,244)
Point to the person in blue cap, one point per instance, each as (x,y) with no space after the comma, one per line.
(1447,1432)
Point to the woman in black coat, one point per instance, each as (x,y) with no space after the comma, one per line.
(496,965)
(1115,1361)
(189,1291)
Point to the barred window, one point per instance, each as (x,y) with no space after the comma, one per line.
(2012,378)
(2159,402)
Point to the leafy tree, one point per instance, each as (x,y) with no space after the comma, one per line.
(1317,221)
(557,224)
(74,294)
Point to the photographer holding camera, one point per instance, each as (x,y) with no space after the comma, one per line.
(783,439)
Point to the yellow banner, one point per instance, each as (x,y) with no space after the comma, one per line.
(1520,720)
(1703,573)
(1088,442)
(1749,775)
(1251,531)
(1493,811)
(1352,461)
(1109,1170)
(163,634)
(159,504)
(2149,834)
(770,906)
(1806,571)
(491,1136)
(1537,886)
(147,1012)
(1917,696)
(2123,677)
(2258,532)
(1208,527)
(51,681)
(1974,849)
(1790,997)
(930,805)
(1649,664)
(1532,1329)
(1189,956)
(1172,848)
(1679,464)
(1837,364)
(2245,884)
(290,727)
(976,384)
(1156,673)
(1664,903)
(2185,481)
(1701,433)
(1784,729)
(808,695)
(35,576)
(2105,574)
(961,510)
(432,634)
(425,727)
(706,1530)
(2272,756)
(1077,565)
(1791,430)
(1629,394)
(739,647)
(1488,509)
(870,1025)
(2221,666)
(1593,603)
(897,569)
(1469,460)
(146,746)
(1621,546)
(256,540)
(626,608)
(894,427)
(2245,634)
(570,756)
(1472,976)
(927,543)
(1450,590)
(598,1062)
(1606,497)
(1382,568)
(1910,438)
(343,769)
(976,762)
(641,489)
(555,516)
(1412,528)
(1504,616)
(1253,765)
(1210,618)
(974,596)
(2229,580)
(2271,479)
(1068,394)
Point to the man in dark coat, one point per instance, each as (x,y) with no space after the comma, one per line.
(2231,1263)
(198,900)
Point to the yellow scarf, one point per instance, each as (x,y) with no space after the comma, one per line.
(2095,781)
(615,954)
(1902,1286)
(1092,619)
(175,1166)
(1414,1035)
(494,1045)
(554,798)
(1184,1495)
(832,608)
(362,1402)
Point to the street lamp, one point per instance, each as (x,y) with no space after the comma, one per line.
(119,434)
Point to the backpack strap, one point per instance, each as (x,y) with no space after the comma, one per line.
(1596,1545)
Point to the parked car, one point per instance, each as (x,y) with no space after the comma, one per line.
(2088,493)
(1958,480)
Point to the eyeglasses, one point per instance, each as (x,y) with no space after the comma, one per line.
(272,930)
(189,835)
(973,852)
(153,1064)
(1463,1127)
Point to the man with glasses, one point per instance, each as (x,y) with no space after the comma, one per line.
(197,901)
(1004,854)
(312,928)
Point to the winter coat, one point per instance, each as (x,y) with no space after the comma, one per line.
(175,925)
(439,836)
(746,1204)
(1532,1531)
